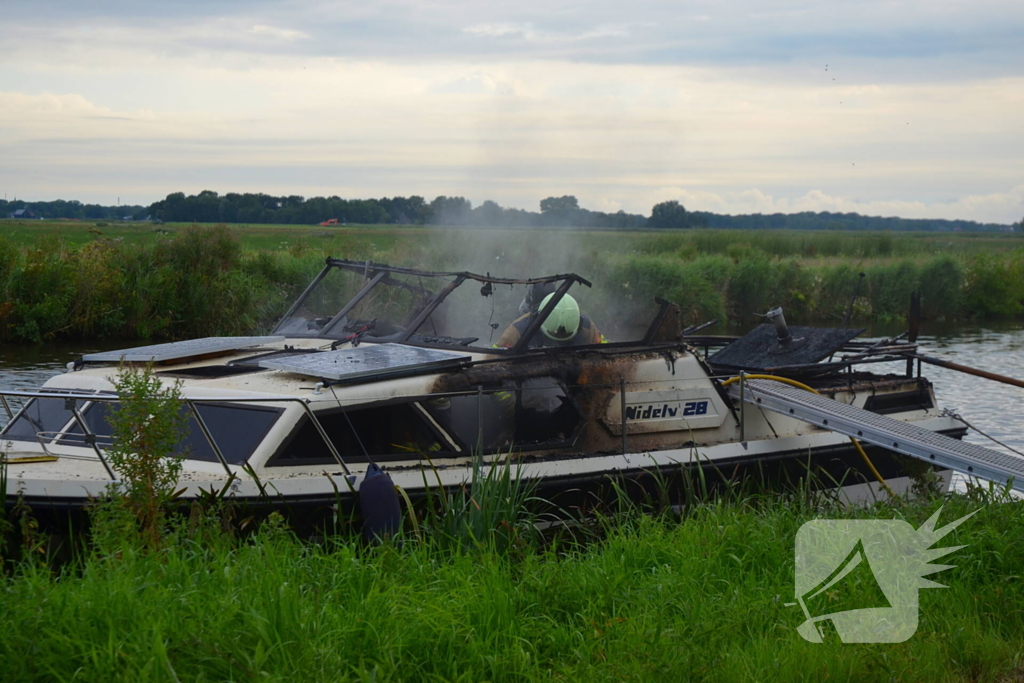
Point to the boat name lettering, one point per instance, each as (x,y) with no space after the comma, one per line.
(652,411)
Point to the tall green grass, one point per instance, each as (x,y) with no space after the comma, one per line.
(202,281)
(699,598)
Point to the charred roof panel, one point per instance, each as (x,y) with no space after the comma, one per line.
(760,348)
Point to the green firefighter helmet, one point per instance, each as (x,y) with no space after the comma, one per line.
(564,321)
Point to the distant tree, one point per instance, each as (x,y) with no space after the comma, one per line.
(562,211)
(418,205)
(670,214)
(404,210)
(559,204)
(94,211)
(450,210)
(489,213)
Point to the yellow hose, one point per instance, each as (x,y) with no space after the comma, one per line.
(801,385)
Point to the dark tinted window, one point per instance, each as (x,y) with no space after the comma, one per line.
(40,415)
(396,432)
(486,423)
(95,417)
(524,414)
(237,430)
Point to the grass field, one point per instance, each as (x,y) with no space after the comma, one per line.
(83,281)
(804,244)
(654,598)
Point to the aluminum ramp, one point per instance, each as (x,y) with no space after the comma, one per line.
(902,437)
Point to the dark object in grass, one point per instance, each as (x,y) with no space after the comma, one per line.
(378,501)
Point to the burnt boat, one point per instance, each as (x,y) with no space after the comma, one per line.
(389,367)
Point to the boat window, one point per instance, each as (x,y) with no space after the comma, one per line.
(519,414)
(95,418)
(385,433)
(544,414)
(383,311)
(237,430)
(885,404)
(41,415)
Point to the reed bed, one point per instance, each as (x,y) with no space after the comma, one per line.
(214,280)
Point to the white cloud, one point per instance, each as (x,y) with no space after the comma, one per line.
(282,34)
(479,83)
(727,107)
(500,30)
(531,33)
(615,136)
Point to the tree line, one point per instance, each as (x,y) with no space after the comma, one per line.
(826,220)
(209,207)
(253,208)
(73,209)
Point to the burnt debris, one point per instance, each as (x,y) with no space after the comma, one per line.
(763,348)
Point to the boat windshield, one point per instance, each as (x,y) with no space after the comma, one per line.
(361,300)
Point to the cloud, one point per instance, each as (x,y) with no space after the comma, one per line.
(528,32)
(27,117)
(874,39)
(516,132)
(500,30)
(479,83)
(728,102)
(282,34)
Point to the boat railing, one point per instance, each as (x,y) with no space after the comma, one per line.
(76,403)
(94,440)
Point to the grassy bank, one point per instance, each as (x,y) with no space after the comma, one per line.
(155,282)
(655,599)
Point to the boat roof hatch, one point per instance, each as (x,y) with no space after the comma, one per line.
(179,350)
(760,349)
(369,361)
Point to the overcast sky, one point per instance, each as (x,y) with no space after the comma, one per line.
(884,107)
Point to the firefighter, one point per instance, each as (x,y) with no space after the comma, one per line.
(536,294)
(566,326)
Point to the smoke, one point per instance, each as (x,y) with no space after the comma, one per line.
(528,254)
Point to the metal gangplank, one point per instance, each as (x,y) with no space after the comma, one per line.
(894,435)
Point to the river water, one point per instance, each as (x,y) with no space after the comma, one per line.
(996,409)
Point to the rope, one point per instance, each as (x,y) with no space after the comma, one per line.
(801,385)
(947,412)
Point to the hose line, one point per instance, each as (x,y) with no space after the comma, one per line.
(801,385)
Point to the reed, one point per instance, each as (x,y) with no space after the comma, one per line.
(206,281)
(495,510)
